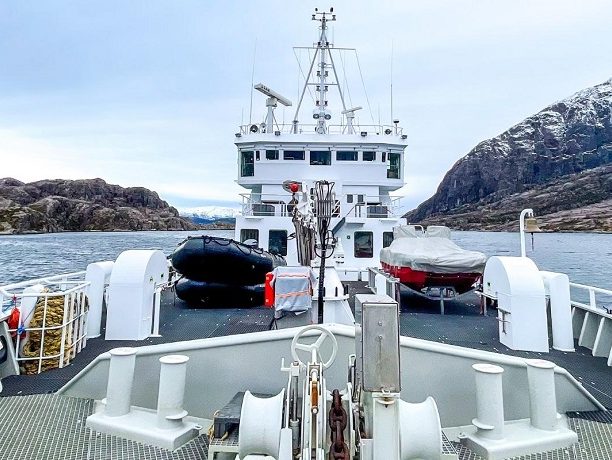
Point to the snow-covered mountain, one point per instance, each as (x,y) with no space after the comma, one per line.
(558,160)
(209,214)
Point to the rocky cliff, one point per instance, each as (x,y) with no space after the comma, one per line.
(556,161)
(81,205)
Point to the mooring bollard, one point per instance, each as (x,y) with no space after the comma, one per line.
(172,374)
(120,381)
(489,401)
(542,395)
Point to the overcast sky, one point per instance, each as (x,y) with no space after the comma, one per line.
(150,93)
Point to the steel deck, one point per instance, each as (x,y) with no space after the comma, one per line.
(37,425)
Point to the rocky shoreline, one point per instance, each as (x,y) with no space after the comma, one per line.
(553,204)
(59,205)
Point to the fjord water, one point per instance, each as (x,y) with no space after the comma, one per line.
(585,257)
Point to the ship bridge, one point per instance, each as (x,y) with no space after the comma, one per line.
(364,161)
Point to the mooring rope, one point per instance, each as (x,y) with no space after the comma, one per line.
(53,337)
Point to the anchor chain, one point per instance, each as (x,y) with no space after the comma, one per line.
(337,420)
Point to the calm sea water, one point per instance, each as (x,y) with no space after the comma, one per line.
(585,257)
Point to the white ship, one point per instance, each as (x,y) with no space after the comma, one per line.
(365,162)
(346,375)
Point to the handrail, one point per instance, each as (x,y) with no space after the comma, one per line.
(391,202)
(592,305)
(46,280)
(332,129)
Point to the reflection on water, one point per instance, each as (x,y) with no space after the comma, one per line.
(25,257)
(585,257)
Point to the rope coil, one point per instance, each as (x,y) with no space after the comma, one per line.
(51,322)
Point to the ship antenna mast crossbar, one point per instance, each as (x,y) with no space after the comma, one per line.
(322,50)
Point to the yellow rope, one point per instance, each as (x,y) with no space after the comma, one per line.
(53,337)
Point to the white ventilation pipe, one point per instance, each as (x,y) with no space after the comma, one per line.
(489,401)
(420,430)
(542,396)
(170,412)
(557,287)
(98,274)
(120,381)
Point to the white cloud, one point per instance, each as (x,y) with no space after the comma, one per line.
(151,97)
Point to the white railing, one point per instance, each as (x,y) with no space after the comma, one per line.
(595,298)
(61,313)
(280,206)
(309,128)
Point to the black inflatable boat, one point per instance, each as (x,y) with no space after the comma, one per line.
(223,260)
(201,294)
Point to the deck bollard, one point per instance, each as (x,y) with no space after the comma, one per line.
(120,381)
(172,374)
(489,401)
(542,396)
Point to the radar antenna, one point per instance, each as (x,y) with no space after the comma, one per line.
(271,103)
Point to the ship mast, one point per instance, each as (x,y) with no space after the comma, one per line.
(322,51)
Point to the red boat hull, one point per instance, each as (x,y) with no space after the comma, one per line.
(417,280)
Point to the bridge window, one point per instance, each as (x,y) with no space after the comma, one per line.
(369,156)
(393,170)
(293,155)
(349,198)
(271,154)
(247,164)
(364,245)
(387,239)
(320,157)
(277,242)
(249,234)
(346,155)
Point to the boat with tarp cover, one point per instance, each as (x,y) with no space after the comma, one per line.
(425,258)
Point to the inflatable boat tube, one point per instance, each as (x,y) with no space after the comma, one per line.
(223,260)
(201,294)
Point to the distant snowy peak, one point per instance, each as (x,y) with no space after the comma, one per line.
(210,212)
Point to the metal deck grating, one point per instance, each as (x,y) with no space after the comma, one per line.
(49,427)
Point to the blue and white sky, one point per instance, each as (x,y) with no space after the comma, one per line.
(150,92)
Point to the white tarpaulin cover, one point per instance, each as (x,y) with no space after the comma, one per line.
(432,254)
(293,287)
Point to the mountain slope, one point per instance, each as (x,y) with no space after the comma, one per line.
(77,205)
(206,215)
(566,138)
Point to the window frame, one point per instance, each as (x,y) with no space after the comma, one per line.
(242,234)
(327,161)
(272,155)
(359,253)
(354,154)
(291,153)
(394,171)
(373,152)
(284,244)
(244,170)
(386,240)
